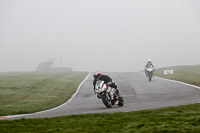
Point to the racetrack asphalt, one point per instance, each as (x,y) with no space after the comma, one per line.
(138,93)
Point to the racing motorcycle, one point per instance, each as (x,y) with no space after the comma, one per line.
(108,95)
(149,72)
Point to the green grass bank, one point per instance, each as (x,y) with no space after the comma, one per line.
(187,74)
(28,92)
(181,119)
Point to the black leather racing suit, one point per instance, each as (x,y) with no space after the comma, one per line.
(106,80)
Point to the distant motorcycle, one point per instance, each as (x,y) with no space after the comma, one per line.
(149,72)
(108,95)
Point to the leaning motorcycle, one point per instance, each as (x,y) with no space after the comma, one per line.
(108,95)
(149,72)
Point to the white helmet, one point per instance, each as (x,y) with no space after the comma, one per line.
(149,60)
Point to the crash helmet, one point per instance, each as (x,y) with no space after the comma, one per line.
(97,74)
(149,61)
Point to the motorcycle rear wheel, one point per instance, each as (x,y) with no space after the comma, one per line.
(121,101)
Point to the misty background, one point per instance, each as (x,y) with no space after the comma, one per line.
(104,35)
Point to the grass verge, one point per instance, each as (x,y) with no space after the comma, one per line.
(172,119)
(28,92)
(187,74)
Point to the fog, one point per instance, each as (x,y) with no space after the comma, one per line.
(104,35)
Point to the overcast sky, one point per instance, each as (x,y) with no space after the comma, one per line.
(104,35)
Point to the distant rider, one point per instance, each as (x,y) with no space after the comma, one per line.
(107,80)
(148,65)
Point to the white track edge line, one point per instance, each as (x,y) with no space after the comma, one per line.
(179,82)
(69,100)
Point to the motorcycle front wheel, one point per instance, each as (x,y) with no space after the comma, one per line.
(150,76)
(106,100)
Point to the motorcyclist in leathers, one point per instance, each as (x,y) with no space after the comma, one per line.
(107,80)
(147,65)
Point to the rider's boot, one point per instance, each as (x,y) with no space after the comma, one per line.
(118,93)
(145,73)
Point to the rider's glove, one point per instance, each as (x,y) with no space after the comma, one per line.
(114,83)
(109,83)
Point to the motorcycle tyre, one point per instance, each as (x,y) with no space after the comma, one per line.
(150,76)
(105,101)
(121,101)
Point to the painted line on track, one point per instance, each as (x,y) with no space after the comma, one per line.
(197,87)
(69,100)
